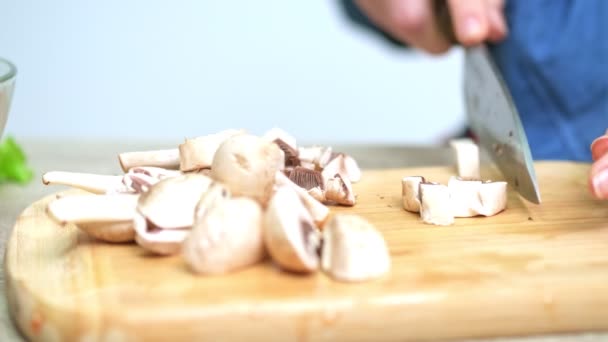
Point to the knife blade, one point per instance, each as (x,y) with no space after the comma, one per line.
(492,114)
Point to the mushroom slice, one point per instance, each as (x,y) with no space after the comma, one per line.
(339,190)
(168,159)
(226,237)
(467,157)
(315,157)
(493,197)
(290,234)
(316,209)
(464,195)
(198,153)
(286,143)
(158,240)
(247,165)
(435,204)
(105,217)
(217,192)
(170,203)
(410,194)
(306,178)
(353,249)
(141,178)
(97,184)
(344,165)
(317,194)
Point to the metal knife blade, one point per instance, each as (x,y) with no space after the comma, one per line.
(492,114)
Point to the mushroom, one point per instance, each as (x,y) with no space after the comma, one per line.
(306,178)
(344,165)
(339,190)
(97,184)
(286,143)
(247,165)
(314,157)
(290,234)
(410,194)
(435,204)
(141,178)
(158,240)
(333,190)
(168,159)
(474,197)
(467,157)
(105,217)
(353,249)
(198,153)
(227,236)
(316,209)
(170,203)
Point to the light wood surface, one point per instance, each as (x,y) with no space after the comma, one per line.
(529,270)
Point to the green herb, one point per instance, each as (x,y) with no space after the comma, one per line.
(13,163)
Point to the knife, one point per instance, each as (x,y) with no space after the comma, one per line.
(492,114)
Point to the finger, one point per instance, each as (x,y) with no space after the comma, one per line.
(497,25)
(470,19)
(599,147)
(598,178)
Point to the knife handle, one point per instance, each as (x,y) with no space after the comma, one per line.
(444,20)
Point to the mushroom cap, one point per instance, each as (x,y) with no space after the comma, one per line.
(339,190)
(435,204)
(227,237)
(157,240)
(290,235)
(466,154)
(171,202)
(353,249)
(409,191)
(109,231)
(198,153)
(247,165)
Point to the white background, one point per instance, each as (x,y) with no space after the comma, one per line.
(174,69)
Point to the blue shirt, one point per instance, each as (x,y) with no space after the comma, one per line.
(555,63)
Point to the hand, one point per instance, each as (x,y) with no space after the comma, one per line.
(598,176)
(413,21)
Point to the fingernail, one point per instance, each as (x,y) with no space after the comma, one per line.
(600,184)
(472,27)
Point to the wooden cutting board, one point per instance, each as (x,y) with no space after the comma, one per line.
(531,269)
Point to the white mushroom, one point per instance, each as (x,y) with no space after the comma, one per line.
(97,184)
(435,204)
(409,191)
(314,157)
(198,153)
(344,165)
(247,165)
(105,217)
(467,157)
(141,178)
(317,210)
(158,240)
(493,198)
(472,197)
(170,203)
(168,159)
(353,249)
(339,190)
(226,237)
(290,235)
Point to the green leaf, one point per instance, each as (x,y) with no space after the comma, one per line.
(13,163)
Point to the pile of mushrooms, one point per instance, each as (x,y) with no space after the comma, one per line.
(465,195)
(227,200)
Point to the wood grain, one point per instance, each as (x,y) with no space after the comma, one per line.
(531,269)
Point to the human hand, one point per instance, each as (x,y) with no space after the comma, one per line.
(598,176)
(413,21)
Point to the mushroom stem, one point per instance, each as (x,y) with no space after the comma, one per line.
(97,184)
(168,159)
(93,208)
(198,153)
(467,157)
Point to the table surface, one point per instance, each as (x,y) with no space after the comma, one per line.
(101,157)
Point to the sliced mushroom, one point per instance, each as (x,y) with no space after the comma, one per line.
(290,234)
(198,153)
(97,184)
(353,249)
(316,209)
(410,194)
(247,165)
(317,194)
(339,190)
(217,192)
(158,240)
(435,204)
(170,203)
(226,237)
(466,152)
(344,165)
(168,159)
(473,197)
(314,157)
(286,143)
(105,217)
(493,197)
(306,178)
(141,178)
